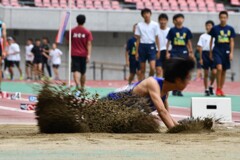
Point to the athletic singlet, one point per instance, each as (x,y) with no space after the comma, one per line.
(127,90)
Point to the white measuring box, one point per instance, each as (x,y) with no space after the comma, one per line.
(218,108)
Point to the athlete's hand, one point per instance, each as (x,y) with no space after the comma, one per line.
(201,61)
(137,56)
(88,58)
(231,56)
(127,63)
(168,55)
(211,56)
(4,54)
(158,54)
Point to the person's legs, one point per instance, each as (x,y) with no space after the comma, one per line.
(35,66)
(39,66)
(223,77)
(10,69)
(27,69)
(83,69)
(76,77)
(142,70)
(49,69)
(131,78)
(152,64)
(83,80)
(219,79)
(212,80)
(17,63)
(43,66)
(207,93)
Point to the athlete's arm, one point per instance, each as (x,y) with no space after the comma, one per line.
(126,58)
(232,43)
(137,46)
(167,50)
(158,47)
(210,53)
(4,36)
(199,48)
(89,48)
(190,49)
(155,95)
(167,107)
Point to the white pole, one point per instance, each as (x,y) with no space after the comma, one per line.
(70,43)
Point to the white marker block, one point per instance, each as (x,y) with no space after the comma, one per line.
(218,108)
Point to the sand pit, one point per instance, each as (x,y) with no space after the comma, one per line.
(26,143)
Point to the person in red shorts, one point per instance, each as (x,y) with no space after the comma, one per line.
(81,51)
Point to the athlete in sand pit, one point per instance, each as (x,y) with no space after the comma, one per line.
(177,74)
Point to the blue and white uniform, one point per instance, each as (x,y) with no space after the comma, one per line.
(147,46)
(127,90)
(179,38)
(221,49)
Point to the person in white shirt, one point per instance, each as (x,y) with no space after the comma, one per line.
(13,57)
(55,55)
(147,39)
(203,47)
(164,29)
(29,59)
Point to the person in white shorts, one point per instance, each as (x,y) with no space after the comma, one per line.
(55,55)
(29,59)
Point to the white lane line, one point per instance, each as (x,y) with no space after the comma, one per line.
(15,109)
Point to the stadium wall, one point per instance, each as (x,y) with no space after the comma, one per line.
(98,20)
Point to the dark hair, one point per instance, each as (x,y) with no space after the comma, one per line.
(177,68)
(210,22)
(30,39)
(223,12)
(81,19)
(45,38)
(162,16)
(37,40)
(145,10)
(176,16)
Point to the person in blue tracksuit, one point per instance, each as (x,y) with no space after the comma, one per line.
(222,53)
(180,39)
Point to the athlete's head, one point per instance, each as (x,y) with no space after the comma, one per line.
(146,14)
(81,19)
(178,71)
(163,20)
(178,19)
(223,17)
(134,27)
(11,40)
(29,41)
(38,42)
(209,24)
(54,45)
(45,40)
